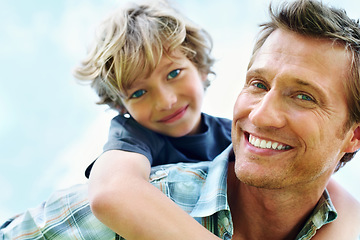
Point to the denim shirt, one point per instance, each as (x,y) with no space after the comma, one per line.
(198,188)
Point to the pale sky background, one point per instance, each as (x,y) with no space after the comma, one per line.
(50,126)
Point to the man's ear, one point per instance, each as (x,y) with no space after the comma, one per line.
(354,143)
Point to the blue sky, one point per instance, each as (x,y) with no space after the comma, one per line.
(50,126)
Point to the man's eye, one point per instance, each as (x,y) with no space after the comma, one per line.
(304,97)
(138,93)
(173,74)
(260,85)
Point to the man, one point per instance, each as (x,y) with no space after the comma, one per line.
(295,123)
(296,119)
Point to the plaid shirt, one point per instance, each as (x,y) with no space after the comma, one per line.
(199,189)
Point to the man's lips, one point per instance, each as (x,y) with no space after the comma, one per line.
(174,116)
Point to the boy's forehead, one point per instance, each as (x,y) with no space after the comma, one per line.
(175,54)
(164,63)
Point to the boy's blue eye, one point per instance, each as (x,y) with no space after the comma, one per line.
(138,93)
(173,74)
(260,85)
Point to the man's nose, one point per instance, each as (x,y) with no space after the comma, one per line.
(165,98)
(269,111)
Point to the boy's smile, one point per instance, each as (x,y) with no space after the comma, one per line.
(178,114)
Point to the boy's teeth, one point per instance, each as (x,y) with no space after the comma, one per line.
(266,144)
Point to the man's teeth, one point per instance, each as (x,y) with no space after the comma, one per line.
(260,143)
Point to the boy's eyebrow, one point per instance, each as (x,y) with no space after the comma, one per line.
(163,66)
(169,64)
(143,79)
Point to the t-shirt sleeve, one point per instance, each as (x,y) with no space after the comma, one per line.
(128,135)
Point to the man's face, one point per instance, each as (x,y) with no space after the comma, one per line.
(289,120)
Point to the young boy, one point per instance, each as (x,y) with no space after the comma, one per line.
(151,64)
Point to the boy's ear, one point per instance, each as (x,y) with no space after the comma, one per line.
(355,140)
(203,76)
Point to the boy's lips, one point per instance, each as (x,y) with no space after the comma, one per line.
(174,116)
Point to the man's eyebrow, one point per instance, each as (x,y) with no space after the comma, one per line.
(307,84)
(254,72)
(297,81)
(314,87)
(302,82)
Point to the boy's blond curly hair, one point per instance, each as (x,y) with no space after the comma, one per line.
(130,43)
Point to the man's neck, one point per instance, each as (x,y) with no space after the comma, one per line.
(268,214)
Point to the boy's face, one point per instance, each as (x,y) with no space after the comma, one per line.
(169,101)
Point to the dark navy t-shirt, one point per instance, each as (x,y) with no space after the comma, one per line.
(128,135)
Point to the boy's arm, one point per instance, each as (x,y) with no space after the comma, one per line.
(347,224)
(122,198)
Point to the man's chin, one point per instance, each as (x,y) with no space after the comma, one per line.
(258,180)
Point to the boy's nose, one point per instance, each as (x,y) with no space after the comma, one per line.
(165,99)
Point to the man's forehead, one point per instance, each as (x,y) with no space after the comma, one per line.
(283,41)
(291,46)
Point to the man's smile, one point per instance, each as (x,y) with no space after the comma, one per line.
(266,144)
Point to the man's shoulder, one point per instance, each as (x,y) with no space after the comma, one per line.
(347,223)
